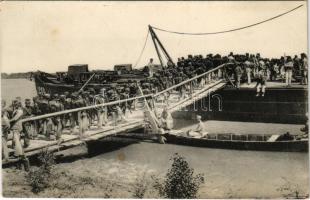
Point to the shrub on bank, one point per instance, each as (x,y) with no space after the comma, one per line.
(39,177)
(140,187)
(180,181)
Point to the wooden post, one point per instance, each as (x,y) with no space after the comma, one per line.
(81,129)
(105,115)
(100,119)
(191,88)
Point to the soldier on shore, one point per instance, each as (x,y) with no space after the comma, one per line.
(5,125)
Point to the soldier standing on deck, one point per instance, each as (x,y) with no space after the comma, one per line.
(288,66)
(238,74)
(261,81)
(150,67)
(248,71)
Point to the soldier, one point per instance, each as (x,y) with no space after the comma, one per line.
(56,106)
(101,111)
(261,82)
(28,127)
(5,124)
(150,68)
(248,71)
(44,109)
(82,120)
(288,66)
(74,115)
(199,131)
(16,127)
(166,119)
(304,69)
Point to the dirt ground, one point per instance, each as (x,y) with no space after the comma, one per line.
(111,180)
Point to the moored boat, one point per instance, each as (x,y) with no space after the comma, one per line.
(257,142)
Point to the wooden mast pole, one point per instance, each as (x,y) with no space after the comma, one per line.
(160,44)
(156,47)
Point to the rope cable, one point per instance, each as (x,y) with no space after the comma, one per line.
(138,60)
(230,30)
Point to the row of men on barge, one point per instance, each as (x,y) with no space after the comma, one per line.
(243,67)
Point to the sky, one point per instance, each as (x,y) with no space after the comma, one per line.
(49,36)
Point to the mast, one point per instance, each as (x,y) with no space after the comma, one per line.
(156,39)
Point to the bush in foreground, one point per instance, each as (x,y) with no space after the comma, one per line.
(180,181)
(39,177)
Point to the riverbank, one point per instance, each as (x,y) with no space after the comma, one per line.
(115,174)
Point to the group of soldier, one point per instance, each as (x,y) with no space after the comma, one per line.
(240,68)
(51,128)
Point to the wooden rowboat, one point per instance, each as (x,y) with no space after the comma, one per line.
(257,142)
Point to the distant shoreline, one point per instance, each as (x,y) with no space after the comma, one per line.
(25,75)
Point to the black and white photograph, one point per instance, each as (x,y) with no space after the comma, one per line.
(154,99)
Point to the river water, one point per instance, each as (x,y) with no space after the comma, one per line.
(228,173)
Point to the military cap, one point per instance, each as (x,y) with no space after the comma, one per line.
(231,58)
(74,94)
(47,95)
(247,63)
(35,98)
(261,62)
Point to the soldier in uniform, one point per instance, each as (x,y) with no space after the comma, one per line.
(288,66)
(16,127)
(5,124)
(55,122)
(44,109)
(261,81)
(101,111)
(248,71)
(28,127)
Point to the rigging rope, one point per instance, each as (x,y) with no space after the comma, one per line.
(231,30)
(138,60)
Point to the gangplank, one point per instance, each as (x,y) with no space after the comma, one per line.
(193,90)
